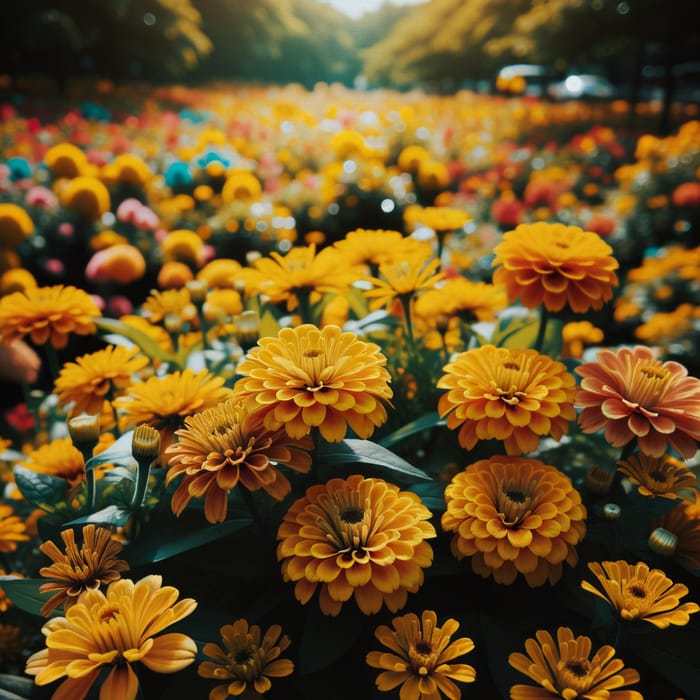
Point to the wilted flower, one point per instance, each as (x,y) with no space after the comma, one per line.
(114,630)
(356,537)
(514,515)
(309,377)
(657,476)
(247,663)
(555,265)
(506,394)
(638,593)
(420,657)
(634,396)
(82,569)
(565,669)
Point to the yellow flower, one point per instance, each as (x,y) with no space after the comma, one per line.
(565,669)
(122,263)
(58,458)
(514,515)
(184,246)
(164,402)
(248,661)
(663,476)
(47,314)
(66,160)
(421,656)
(221,273)
(309,377)
(97,377)
(12,529)
(439,219)
(225,445)
(411,157)
(373,247)
(241,185)
(78,570)
(174,275)
(638,593)
(462,298)
(577,334)
(356,537)
(86,196)
(16,280)
(506,394)
(555,265)
(127,169)
(15,225)
(112,631)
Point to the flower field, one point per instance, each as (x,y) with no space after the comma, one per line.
(330,393)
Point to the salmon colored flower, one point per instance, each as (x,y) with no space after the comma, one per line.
(663,476)
(96,377)
(633,396)
(506,394)
(514,515)
(555,265)
(248,661)
(111,631)
(565,669)
(420,657)
(47,314)
(309,377)
(12,529)
(121,263)
(77,570)
(356,537)
(639,593)
(225,445)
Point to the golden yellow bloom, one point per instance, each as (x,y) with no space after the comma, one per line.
(638,593)
(12,529)
(66,160)
(657,476)
(112,631)
(576,335)
(47,314)
(248,661)
(565,669)
(457,296)
(309,377)
(86,196)
(506,394)
(82,569)
(373,247)
(220,273)
(174,275)
(164,402)
(15,225)
(98,377)
(175,302)
(356,537)
(58,458)
(184,246)
(16,280)
(420,657)
(555,265)
(411,157)
(241,185)
(127,169)
(122,263)
(439,219)
(226,445)
(514,515)
(666,327)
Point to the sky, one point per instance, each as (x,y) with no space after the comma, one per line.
(356,8)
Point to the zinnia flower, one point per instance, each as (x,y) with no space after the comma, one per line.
(514,515)
(309,377)
(506,394)
(372,247)
(86,196)
(420,657)
(356,537)
(638,593)
(114,630)
(47,314)
(164,402)
(97,377)
(247,663)
(663,476)
(15,225)
(80,569)
(555,265)
(565,669)
(12,529)
(58,458)
(122,263)
(66,160)
(225,445)
(634,396)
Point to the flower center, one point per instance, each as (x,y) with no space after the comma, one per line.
(648,383)
(423,647)
(243,656)
(347,522)
(352,515)
(513,502)
(313,361)
(578,667)
(636,590)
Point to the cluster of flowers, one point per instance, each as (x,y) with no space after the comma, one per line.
(245,387)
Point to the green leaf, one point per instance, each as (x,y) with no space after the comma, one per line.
(24,593)
(113,516)
(432,495)
(518,332)
(136,336)
(118,452)
(41,490)
(425,422)
(371,453)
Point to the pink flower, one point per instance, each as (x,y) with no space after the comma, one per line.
(41,197)
(128,210)
(632,395)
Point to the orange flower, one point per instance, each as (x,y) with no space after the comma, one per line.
(663,476)
(634,396)
(565,669)
(420,657)
(638,593)
(309,377)
(356,537)
(555,265)
(121,263)
(505,394)
(58,458)
(12,529)
(225,445)
(47,314)
(514,515)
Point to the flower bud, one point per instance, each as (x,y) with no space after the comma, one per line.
(597,481)
(145,444)
(663,542)
(611,511)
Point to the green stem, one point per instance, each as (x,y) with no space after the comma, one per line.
(544,317)
(406,304)
(254,512)
(143,471)
(52,359)
(304,305)
(204,328)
